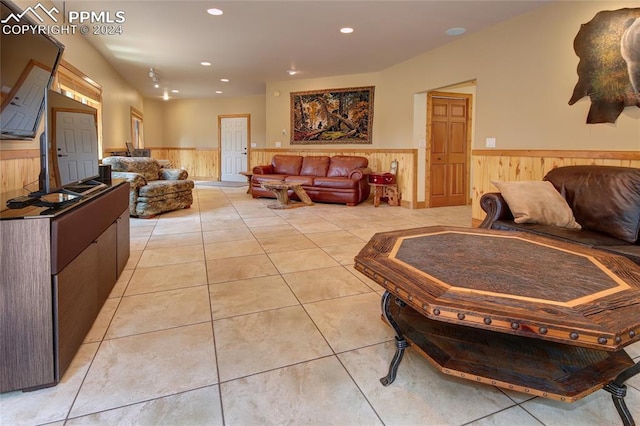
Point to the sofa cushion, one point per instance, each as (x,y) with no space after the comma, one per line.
(537,202)
(603,198)
(302,180)
(147,167)
(286,164)
(315,166)
(335,182)
(341,165)
(163,187)
(584,237)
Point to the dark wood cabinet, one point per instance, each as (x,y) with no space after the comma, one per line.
(56,272)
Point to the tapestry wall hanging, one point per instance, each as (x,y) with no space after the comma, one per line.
(609,69)
(332,116)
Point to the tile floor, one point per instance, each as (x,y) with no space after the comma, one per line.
(232,313)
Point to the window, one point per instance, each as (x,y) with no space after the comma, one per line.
(73,83)
(136,129)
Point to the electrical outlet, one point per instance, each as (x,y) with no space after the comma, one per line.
(278,144)
(491,142)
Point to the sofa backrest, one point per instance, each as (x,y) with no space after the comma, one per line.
(287,164)
(314,166)
(341,165)
(147,167)
(605,199)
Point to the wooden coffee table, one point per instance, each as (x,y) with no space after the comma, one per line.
(281,189)
(510,309)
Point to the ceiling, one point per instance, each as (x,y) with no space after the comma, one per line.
(254,42)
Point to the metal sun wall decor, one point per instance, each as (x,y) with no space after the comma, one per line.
(609,69)
(332,116)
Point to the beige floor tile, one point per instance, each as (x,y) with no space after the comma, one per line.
(368,281)
(168,277)
(49,404)
(261,232)
(315,226)
(302,260)
(134,258)
(196,407)
(171,256)
(511,416)
(218,225)
(175,240)
(146,366)
(239,268)
(350,322)
(335,238)
(326,283)
(157,311)
(420,395)
(254,222)
(138,243)
(286,243)
(249,296)
(345,253)
(317,392)
(221,235)
(594,409)
(141,231)
(177,227)
(226,249)
(254,343)
(121,285)
(101,324)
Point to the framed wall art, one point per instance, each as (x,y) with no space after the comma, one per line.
(332,116)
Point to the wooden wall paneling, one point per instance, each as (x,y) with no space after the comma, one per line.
(16,173)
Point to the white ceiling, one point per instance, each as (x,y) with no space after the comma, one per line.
(258,41)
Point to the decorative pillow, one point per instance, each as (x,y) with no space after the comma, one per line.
(537,202)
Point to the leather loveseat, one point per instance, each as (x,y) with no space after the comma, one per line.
(605,201)
(337,179)
(153,189)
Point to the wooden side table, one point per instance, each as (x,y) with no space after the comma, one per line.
(248,175)
(385,190)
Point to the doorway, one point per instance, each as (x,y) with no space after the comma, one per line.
(234,136)
(448,148)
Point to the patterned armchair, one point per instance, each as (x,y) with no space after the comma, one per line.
(153,189)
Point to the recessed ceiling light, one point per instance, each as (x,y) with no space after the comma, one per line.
(205,64)
(456,31)
(214,11)
(292,72)
(346,30)
(224,80)
(218,91)
(175,91)
(165,96)
(156,85)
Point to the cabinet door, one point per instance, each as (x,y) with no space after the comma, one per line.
(76,303)
(123,240)
(26,331)
(107,263)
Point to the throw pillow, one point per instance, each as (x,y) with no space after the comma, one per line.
(537,202)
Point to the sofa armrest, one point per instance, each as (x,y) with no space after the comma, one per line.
(263,170)
(173,174)
(359,173)
(136,180)
(496,208)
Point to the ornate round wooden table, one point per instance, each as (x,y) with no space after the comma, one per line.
(510,309)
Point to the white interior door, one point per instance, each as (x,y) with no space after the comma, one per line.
(234,135)
(22,111)
(76,145)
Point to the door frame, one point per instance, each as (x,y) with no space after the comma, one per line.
(220,117)
(427,175)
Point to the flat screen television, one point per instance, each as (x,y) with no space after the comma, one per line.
(69,156)
(28,62)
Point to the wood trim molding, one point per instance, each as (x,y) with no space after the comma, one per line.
(613,155)
(14,154)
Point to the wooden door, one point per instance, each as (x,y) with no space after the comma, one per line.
(234,138)
(448,152)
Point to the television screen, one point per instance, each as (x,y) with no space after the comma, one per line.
(28,61)
(69,146)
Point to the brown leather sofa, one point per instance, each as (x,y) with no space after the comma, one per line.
(605,201)
(337,179)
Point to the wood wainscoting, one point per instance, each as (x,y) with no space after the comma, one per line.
(379,161)
(200,163)
(19,169)
(520,165)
